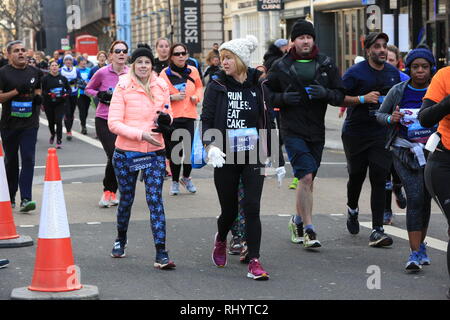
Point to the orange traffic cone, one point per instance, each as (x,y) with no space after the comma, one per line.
(8,233)
(54,270)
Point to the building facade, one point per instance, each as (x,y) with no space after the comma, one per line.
(196,23)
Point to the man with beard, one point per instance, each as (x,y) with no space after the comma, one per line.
(303,82)
(364,139)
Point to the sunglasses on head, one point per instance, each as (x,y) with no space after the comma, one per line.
(177,54)
(118,51)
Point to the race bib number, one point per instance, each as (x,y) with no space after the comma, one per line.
(139,161)
(21,109)
(57,92)
(243,139)
(413,130)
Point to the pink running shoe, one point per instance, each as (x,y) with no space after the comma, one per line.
(219,254)
(256,271)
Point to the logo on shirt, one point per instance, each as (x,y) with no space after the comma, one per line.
(253,94)
(32,80)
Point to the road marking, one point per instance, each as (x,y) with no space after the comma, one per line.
(76,166)
(77,135)
(27,226)
(284,215)
(337,214)
(93,223)
(403,234)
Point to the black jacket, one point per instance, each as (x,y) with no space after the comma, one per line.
(215,106)
(307,119)
(272,54)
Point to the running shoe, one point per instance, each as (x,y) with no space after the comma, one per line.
(379,239)
(104,201)
(118,250)
(69,136)
(163,262)
(352,222)
(174,188)
(296,231)
(235,246)
(58,145)
(51,140)
(413,264)
(187,183)
(113,201)
(243,257)
(387,217)
(256,271)
(219,255)
(27,205)
(13,205)
(423,257)
(83,130)
(4,263)
(294,184)
(310,239)
(400,198)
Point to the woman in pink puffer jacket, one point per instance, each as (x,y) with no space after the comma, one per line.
(139,113)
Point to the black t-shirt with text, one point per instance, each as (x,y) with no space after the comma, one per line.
(20,112)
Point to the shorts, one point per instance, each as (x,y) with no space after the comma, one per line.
(305,157)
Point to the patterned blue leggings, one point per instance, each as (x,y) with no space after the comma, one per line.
(153,180)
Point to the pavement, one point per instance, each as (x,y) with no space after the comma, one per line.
(346,268)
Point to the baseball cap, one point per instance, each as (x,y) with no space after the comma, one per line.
(371,38)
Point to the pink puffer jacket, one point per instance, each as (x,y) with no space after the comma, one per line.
(132,113)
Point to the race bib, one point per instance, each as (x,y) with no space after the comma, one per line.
(180,87)
(21,109)
(57,92)
(243,139)
(84,76)
(412,130)
(139,161)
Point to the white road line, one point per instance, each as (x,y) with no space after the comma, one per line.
(337,214)
(79,136)
(284,215)
(403,234)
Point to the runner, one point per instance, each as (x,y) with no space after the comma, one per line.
(102,59)
(237,85)
(20,96)
(436,110)
(84,101)
(55,89)
(73,76)
(186,91)
(303,83)
(102,86)
(363,137)
(163,52)
(406,140)
(140,107)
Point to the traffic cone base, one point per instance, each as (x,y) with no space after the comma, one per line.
(7,226)
(56,272)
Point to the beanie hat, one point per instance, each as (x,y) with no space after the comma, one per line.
(242,47)
(281,43)
(143,50)
(420,53)
(68,57)
(302,27)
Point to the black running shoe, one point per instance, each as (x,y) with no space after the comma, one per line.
(400,198)
(352,223)
(310,239)
(118,250)
(379,239)
(4,263)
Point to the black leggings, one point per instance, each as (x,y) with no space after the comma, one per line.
(83,106)
(437,177)
(71,105)
(226,180)
(108,141)
(189,125)
(55,115)
(363,154)
(396,183)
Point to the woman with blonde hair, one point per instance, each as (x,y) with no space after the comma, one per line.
(235,104)
(139,113)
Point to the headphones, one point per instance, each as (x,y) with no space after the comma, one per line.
(432,63)
(433,70)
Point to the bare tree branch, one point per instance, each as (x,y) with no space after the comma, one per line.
(16,15)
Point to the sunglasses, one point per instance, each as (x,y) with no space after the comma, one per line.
(118,51)
(177,54)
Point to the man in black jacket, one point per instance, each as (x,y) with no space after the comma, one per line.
(303,82)
(275,52)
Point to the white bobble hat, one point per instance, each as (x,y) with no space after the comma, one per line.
(242,47)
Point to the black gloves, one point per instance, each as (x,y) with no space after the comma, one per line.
(292,99)
(37,99)
(317,92)
(104,97)
(164,126)
(25,88)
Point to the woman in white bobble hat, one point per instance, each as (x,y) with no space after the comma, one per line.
(235,105)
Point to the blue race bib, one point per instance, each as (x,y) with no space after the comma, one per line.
(243,139)
(21,109)
(412,130)
(139,161)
